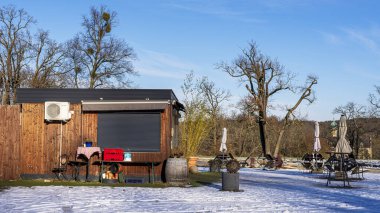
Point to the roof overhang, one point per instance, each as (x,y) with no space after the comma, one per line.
(124,105)
(180,107)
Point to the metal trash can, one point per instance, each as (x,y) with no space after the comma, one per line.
(230,181)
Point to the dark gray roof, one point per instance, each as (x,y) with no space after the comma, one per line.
(78,95)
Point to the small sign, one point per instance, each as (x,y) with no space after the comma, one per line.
(127,156)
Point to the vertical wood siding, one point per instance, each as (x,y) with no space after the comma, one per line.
(40,140)
(9,142)
(31,145)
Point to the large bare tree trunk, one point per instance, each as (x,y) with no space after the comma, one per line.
(279,139)
(263,77)
(8,76)
(262,136)
(287,122)
(215,134)
(5,98)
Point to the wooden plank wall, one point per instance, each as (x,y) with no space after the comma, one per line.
(40,140)
(31,145)
(10,129)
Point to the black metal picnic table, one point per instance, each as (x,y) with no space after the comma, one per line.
(339,163)
(76,165)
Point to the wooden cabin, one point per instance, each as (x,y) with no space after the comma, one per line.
(142,122)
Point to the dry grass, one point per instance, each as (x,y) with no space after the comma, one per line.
(198,179)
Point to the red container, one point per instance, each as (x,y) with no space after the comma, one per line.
(113,154)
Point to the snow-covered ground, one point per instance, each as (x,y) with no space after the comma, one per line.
(264,191)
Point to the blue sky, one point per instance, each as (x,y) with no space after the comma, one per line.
(339,41)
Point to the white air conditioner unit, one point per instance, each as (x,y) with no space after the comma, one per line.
(57,111)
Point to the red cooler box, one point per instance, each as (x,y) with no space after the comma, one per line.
(113,154)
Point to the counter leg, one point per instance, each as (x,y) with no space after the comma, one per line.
(76,174)
(87,167)
(101,172)
(152,172)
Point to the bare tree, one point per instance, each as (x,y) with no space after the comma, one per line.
(47,57)
(14,45)
(214,97)
(374,100)
(246,128)
(307,95)
(105,59)
(73,64)
(263,77)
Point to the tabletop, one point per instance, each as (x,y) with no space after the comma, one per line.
(339,153)
(89,151)
(77,163)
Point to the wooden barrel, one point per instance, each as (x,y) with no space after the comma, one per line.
(176,170)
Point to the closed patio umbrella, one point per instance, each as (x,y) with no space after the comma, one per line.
(343,145)
(317,143)
(223,145)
